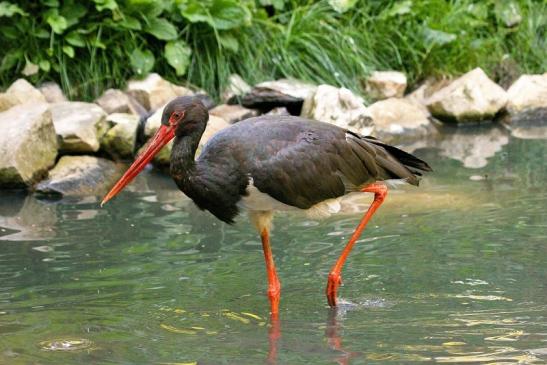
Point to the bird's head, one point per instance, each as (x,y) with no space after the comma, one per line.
(182,116)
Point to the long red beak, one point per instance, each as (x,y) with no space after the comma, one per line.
(160,139)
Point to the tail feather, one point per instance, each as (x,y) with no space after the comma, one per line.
(393,162)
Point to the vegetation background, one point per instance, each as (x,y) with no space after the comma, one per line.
(88,46)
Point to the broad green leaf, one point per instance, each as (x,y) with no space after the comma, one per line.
(434,37)
(508,12)
(341,6)
(178,55)
(142,62)
(75,39)
(10,60)
(130,22)
(44,65)
(8,10)
(57,22)
(42,33)
(51,3)
(229,42)
(277,4)
(69,51)
(152,8)
(9,32)
(73,12)
(219,14)
(162,29)
(101,5)
(398,9)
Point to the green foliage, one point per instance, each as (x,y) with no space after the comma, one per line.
(95,44)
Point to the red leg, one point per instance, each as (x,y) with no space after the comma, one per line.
(335,279)
(274,287)
(274,334)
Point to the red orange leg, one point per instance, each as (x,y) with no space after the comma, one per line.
(274,287)
(335,278)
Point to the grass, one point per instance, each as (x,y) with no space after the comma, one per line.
(310,41)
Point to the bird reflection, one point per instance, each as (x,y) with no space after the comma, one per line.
(332,333)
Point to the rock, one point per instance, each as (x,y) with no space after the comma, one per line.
(278,111)
(81,175)
(214,125)
(527,99)
(236,87)
(232,113)
(79,126)
(154,91)
(386,84)
(420,95)
(339,107)
(115,101)
(472,97)
(52,92)
(28,145)
(20,92)
(397,119)
(120,140)
(474,146)
(288,93)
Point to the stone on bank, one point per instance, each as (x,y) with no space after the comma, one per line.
(79,126)
(20,92)
(81,175)
(28,144)
(472,97)
(120,140)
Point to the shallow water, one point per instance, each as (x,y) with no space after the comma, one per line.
(452,272)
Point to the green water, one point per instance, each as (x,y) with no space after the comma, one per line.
(452,272)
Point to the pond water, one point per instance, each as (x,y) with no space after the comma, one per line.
(454,271)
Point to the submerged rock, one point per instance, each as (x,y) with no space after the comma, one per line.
(120,140)
(386,84)
(20,92)
(28,144)
(25,218)
(472,97)
(232,113)
(154,91)
(52,92)
(339,107)
(80,175)
(527,99)
(288,93)
(79,126)
(236,87)
(396,119)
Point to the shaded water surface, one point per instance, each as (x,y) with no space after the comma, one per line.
(452,272)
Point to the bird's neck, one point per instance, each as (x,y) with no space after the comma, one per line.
(183,153)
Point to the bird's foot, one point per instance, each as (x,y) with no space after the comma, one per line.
(274,294)
(334,281)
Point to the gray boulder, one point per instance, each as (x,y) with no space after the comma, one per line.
(28,145)
(153,92)
(339,107)
(20,92)
(79,126)
(472,97)
(120,140)
(81,175)
(398,119)
(527,98)
(232,113)
(116,101)
(52,92)
(386,84)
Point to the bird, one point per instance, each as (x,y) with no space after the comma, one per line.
(274,163)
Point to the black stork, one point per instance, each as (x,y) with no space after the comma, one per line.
(270,163)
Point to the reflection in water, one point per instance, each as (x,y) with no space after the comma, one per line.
(453,271)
